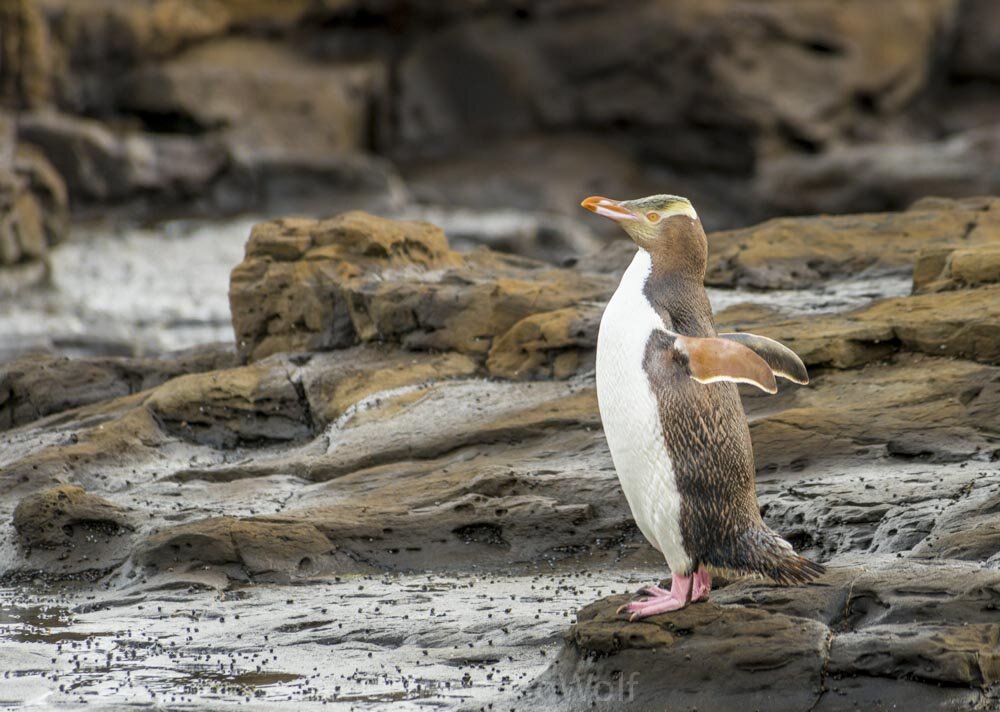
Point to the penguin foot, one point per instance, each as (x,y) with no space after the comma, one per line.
(683,591)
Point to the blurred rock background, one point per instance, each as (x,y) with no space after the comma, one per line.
(751,108)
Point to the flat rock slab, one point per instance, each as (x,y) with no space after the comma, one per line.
(844,642)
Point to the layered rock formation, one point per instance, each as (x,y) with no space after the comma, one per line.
(752,109)
(33,212)
(395,405)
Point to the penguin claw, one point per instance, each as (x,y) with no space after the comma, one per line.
(625,606)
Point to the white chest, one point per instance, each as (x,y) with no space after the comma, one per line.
(631,417)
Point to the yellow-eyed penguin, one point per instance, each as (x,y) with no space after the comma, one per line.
(666,387)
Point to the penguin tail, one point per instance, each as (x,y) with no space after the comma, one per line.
(774,557)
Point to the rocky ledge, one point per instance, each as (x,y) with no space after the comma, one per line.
(393,405)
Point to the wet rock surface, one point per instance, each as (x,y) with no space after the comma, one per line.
(396,407)
(41,384)
(868,635)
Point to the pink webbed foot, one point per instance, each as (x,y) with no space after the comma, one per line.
(683,590)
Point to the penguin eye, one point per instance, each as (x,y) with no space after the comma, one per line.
(653,216)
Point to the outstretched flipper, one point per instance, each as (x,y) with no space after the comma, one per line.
(708,360)
(782,360)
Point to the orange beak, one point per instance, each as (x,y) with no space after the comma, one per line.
(608,208)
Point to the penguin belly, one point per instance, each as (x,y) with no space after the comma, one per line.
(631,416)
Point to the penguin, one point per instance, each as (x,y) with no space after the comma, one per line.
(671,411)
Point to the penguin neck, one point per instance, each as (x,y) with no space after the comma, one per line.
(678,296)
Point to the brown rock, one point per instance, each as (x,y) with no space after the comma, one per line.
(955,268)
(791,253)
(22,227)
(554,344)
(109,436)
(100,165)
(207,541)
(64,515)
(248,547)
(837,644)
(38,385)
(24,56)
(311,107)
(32,213)
(976,51)
(256,404)
(361,278)
(879,410)
(94,41)
(792,73)
(47,186)
(333,382)
(964,324)
(883,175)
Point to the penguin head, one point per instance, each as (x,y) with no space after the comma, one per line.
(666,226)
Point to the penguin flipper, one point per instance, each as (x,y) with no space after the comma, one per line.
(782,360)
(709,360)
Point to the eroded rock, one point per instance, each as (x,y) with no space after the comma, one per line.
(55,517)
(251,404)
(308,285)
(32,213)
(65,531)
(37,385)
(792,253)
(247,547)
(840,642)
(956,267)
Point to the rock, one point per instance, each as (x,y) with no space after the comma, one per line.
(47,186)
(838,644)
(56,517)
(24,57)
(22,228)
(109,437)
(283,301)
(976,51)
(334,382)
(963,324)
(564,169)
(207,172)
(308,285)
(296,179)
(912,510)
(38,385)
(32,214)
(878,411)
(257,404)
(95,40)
(789,75)
(248,547)
(315,108)
(452,479)
(99,165)
(883,176)
(554,344)
(538,235)
(792,253)
(955,268)
(65,531)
